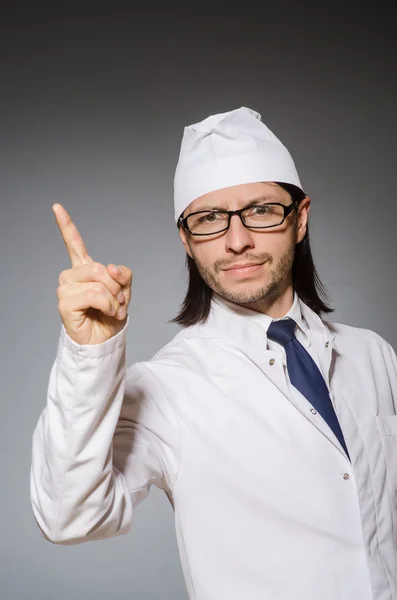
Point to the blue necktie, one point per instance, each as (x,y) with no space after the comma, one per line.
(305,375)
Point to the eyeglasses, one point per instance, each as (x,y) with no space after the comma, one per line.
(258,216)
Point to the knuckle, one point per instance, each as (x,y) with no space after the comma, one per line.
(97,268)
(100,288)
(90,294)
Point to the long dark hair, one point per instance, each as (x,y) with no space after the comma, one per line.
(305,280)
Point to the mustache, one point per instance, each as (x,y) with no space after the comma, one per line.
(226,264)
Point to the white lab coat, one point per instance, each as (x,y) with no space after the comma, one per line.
(267,504)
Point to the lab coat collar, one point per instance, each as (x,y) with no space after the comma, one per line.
(246,329)
(243,325)
(265,320)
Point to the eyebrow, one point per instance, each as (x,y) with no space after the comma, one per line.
(254,201)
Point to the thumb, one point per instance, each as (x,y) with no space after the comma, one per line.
(121,273)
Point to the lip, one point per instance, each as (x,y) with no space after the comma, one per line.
(241,270)
(242,267)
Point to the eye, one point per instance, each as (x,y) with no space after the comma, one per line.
(260,210)
(211,217)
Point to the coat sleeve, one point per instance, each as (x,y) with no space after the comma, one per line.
(106,434)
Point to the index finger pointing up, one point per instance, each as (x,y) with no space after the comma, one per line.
(71,236)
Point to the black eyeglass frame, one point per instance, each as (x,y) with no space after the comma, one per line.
(287,210)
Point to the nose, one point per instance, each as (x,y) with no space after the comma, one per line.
(238,237)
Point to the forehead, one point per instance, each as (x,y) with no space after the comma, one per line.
(238,195)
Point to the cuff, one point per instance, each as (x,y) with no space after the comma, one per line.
(95,350)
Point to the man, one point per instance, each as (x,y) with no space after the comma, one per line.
(272,432)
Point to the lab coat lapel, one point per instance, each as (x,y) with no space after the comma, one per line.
(250,338)
(277,377)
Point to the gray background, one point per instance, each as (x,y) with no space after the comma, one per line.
(93,105)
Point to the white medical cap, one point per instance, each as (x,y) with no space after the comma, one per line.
(228,149)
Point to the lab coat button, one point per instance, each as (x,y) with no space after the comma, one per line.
(346,476)
(313,411)
(271,361)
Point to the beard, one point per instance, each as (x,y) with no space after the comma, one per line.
(278,279)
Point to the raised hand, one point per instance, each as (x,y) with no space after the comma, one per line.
(92,299)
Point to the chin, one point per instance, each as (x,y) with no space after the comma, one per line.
(243,295)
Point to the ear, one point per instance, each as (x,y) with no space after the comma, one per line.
(184,240)
(303,212)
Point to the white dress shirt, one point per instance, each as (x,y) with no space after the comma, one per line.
(267,504)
